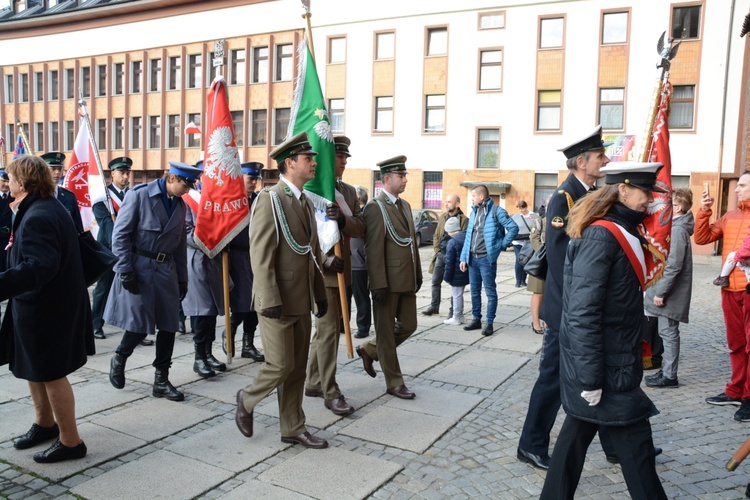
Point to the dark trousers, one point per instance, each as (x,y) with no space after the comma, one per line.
(101,292)
(204,329)
(164,347)
(362,298)
(545,402)
(248,320)
(633,445)
(520,273)
(651,335)
(437,280)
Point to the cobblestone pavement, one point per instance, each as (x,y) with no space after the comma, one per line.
(473,456)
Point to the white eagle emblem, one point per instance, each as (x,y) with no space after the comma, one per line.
(222,156)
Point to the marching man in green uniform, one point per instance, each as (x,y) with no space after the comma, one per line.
(288,285)
(395,273)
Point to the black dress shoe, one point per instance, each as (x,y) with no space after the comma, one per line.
(37,434)
(430,311)
(117,371)
(59,452)
(401,392)
(243,418)
(366,361)
(538,461)
(339,406)
(488,330)
(475,324)
(99,334)
(361,335)
(147,342)
(181,326)
(307,440)
(252,353)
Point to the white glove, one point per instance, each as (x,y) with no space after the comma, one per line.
(593,397)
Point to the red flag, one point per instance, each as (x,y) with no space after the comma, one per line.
(658,224)
(193,199)
(83,179)
(192,128)
(224,209)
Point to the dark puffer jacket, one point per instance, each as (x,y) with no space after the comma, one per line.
(600,334)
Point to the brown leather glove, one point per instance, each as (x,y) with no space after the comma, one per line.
(322,308)
(379,295)
(271,312)
(335,263)
(333,212)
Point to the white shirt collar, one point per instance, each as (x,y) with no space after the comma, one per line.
(295,190)
(585,186)
(390,196)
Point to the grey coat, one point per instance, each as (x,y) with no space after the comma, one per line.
(143,224)
(205,295)
(677,284)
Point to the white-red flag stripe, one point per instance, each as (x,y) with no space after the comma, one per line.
(83,178)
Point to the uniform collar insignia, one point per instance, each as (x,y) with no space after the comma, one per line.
(288,191)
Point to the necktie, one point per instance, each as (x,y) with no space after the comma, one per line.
(303,202)
(399,206)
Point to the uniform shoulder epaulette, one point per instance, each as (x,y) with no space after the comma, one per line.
(139,186)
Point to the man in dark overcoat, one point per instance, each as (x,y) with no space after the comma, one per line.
(150,242)
(120,171)
(6,216)
(55,161)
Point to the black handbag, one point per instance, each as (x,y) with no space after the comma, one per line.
(525,253)
(537,264)
(97,259)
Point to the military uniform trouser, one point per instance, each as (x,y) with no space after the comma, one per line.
(204,329)
(248,320)
(164,347)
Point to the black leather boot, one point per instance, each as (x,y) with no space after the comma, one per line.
(200,366)
(214,363)
(117,371)
(163,388)
(249,350)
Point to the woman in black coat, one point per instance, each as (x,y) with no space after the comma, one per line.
(600,335)
(47,331)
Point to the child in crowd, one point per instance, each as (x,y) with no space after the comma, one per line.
(737,258)
(453,275)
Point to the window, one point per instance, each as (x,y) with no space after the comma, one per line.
(154,75)
(551,33)
(283,62)
(195,71)
(615,27)
(70,85)
(101,80)
(336,113)
(488,147)
(437,41)
(118,72)
(211,73)
(336,50)
(136,128)
(136,77)
(53,85)
(11,132)
(237,67)
(69,134)
(548,116)
(490,69)
(434,120)
(24,79)
(238,121)
(118,133)
(433,191)
(9,89)
(260,65)
(683,105)
(383,114)
(38,86)
(193,140)
(101,133)
(377,183)
(686,22)
(54,136)
(544,188)
(281,125)
(86,81)
(39,135)
(175,73)
(258,133)
(154,132)
(491,20)
(385,46)
(611,108)
(173,131)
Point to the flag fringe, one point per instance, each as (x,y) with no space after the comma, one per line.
(328,230)
(224,241)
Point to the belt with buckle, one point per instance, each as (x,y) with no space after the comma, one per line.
(158,257)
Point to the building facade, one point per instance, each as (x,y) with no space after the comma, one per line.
(470,92)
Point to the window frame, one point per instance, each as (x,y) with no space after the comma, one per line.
(194,77)
(118,78)
(255,127)
(53,84)
(154,132)
(436,108)
(85,79)
(70,83)
(70,135)
(429,32)
(174,79)
(335,112)
(676,101)
(239,135)
(540,105)
(482,66)
(687,6)
(377,45)
(136,77)
(542,20)
(237,67)
(283,61)
(38,86)
(118,133)
(478,142)
(377,110)
(54,136)
(10,95)
(621,104)
(480,15)
(173,132)
(101,80)
(136,132)
(260,74)
(155,68)
(101,134)
(331,41)
(193,140)
(23,87)
(627,27)
(277,137)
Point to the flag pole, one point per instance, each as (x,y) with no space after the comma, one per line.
(92,142)
(337,246)
(2,153)
(24,139)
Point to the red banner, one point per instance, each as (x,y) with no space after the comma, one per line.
(658,224)
(223,210)
(83,179)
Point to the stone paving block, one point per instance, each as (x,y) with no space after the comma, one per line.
(515,338)
(222,387)
(103,444)
(455,334)
(406,430)
(260,489)
(522,299)
(360,389)
(93,398)
(351,474)
(16,417)
(429,350)
(412,366)
(506,314)
(154,418)
(223,446)
(158,475)
(180,373)
(437,402)
(495,368)
(316,415)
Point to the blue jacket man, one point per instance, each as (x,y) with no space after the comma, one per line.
(484,241)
